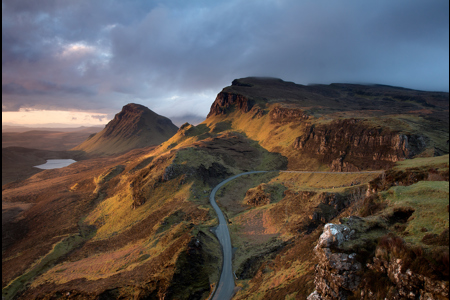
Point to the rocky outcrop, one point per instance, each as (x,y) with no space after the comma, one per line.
(393,271)
(257,112)
(225,102)
(257,196)
(350,145)
(336,274)
(339,165)
(406,283)
(330,206)
(281,114)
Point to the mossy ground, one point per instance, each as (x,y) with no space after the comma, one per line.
(429,202)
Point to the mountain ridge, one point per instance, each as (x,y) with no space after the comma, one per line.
(282,116)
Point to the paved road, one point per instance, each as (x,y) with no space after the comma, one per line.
(225,287)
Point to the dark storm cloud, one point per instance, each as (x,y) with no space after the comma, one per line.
(43,87)
(175,56)
(14,89)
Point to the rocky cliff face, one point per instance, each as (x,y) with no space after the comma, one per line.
(349,145)
(226,101)
(343,274)
(285,115)
(346,127)
(406,284)
(336,274)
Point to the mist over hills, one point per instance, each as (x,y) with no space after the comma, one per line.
(135,222)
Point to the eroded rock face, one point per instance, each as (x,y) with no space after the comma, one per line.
(225,101)
(349,145)
(407,284)
(190,273)
(257,197)
(339,275)
(281,114)
(336,274)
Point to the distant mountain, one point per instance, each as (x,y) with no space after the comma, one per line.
(135,126)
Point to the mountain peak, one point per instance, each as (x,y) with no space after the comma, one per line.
(130,120)
(135,126)
(135,107)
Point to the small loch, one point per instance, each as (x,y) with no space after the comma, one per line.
(56,164)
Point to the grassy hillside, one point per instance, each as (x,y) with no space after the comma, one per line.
(130,241)
(144,212)
(139,225)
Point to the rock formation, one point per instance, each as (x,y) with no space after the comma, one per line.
(226,101)
(349,145)
(340,275)
(336,274)
(346,127)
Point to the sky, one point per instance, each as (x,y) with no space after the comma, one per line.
(79,62)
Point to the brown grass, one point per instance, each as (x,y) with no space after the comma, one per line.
(432,263)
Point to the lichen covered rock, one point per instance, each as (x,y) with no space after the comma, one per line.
(336,274)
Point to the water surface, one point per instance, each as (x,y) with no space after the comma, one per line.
(56,164)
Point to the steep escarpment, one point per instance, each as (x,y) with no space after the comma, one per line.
(351,145)
(342,127)
(135,126)
(226,101)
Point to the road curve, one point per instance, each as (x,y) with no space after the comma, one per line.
(225,287)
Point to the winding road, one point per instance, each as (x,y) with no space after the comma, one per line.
(225,288)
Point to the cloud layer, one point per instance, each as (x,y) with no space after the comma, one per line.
(175,56)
